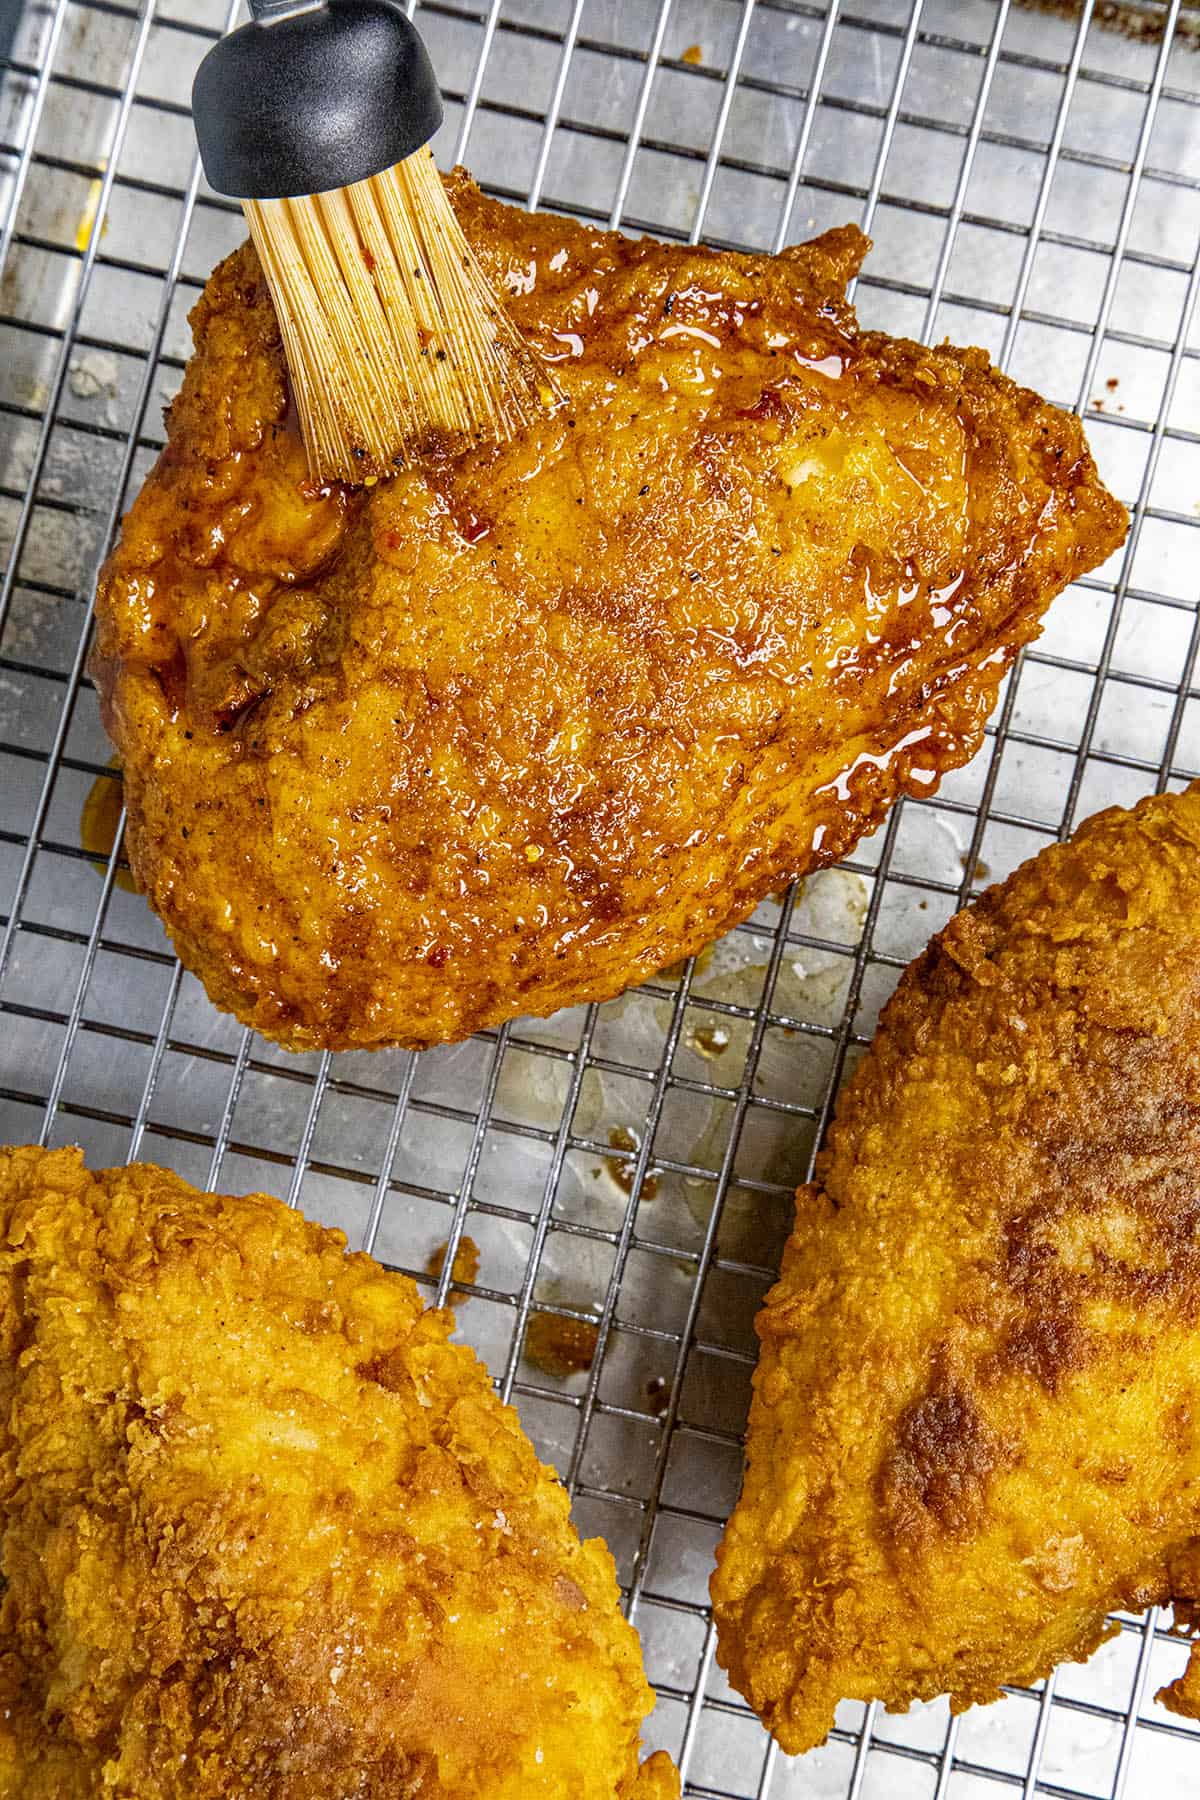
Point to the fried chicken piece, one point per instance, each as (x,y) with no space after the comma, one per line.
(515,730)
(267,1533)
(974,1423)
(1132,18)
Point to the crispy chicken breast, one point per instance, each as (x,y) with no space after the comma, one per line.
(267,1533)
(513,730)
(974,1429)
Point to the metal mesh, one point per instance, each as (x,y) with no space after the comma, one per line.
(1032,184)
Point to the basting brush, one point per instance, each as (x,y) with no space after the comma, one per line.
(318,118)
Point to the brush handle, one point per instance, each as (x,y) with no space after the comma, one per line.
(263,12)
(310,97)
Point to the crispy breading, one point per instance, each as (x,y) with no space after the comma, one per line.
(267,1533)
(974,1427)
(512,731)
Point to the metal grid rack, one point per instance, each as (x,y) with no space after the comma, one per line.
(1033,184)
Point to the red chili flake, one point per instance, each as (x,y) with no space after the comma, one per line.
(769,405)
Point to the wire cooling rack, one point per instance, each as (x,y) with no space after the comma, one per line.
(1032,181)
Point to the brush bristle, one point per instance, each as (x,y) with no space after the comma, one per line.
(390,327)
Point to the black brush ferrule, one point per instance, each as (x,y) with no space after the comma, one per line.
(309,98)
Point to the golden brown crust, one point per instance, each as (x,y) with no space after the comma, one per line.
(268,1533)
(974,1425)
(513,731)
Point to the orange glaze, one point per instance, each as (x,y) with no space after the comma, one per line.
(515,729)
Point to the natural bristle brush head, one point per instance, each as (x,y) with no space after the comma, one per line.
(389,324)
(318,119)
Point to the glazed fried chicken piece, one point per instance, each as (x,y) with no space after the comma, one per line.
(267,1533)
(514,730)
(973,1432)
